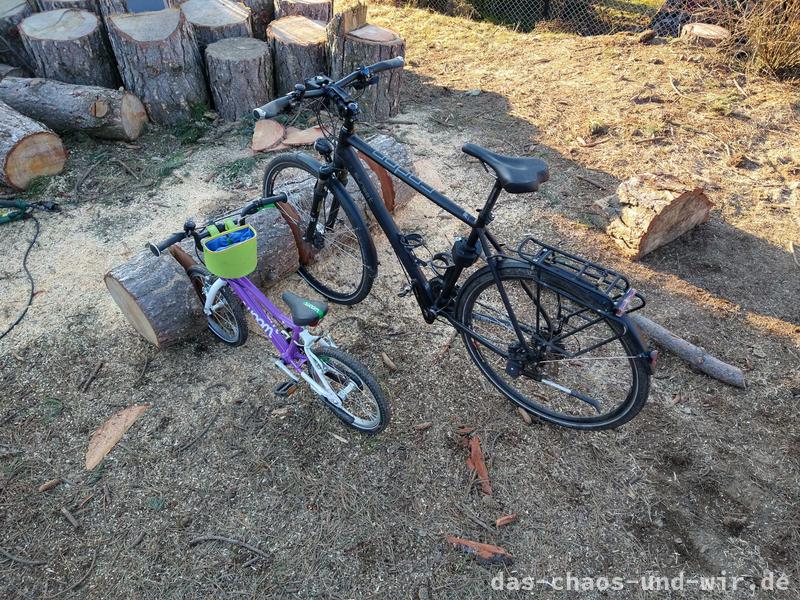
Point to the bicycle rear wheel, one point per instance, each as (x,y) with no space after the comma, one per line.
(339,261)
(580,368)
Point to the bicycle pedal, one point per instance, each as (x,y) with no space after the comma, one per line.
(286,389)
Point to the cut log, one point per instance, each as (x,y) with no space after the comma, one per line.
(27,149)
(347,16)
(88,5)
(704,34)
(298,45)
(695,356)
(12,50)
(396,194)
(97,111)
(68,45)
(240,76)
(159,61)
(266,135)
(214,20)
(649,211)
(262,12)
(365,46)
(318,10)
(11,71)
(158,299)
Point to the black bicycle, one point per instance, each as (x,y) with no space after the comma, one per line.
(547,328)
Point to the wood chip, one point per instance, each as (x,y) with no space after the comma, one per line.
(338,437)
(465,430)
(68,516)
(487,554)
(524,415)
(302,137)
(267,134)
(388,362)
(423,426)
(105,438)
(476,462)
(48,485)
(505,520)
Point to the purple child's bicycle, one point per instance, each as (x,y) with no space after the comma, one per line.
(229,252)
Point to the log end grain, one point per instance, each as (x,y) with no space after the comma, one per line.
(36,155)
(298,30)
(133,116)
(64,24)
(704,34)
(148,27)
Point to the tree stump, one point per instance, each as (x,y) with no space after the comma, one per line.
(240,75)
(97,111)
(214,20)
(89,5)
(348,15)
(298,45)
(365,46)
(318,10)
(649,211)
(12,50)
(10,71)
(159,61)
(262,12)
(68,45)
(27,149)
(158,299)
(704,34)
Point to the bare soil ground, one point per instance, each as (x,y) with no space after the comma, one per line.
(705,480)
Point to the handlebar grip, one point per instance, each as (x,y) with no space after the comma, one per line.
(157,249)
(272,109)
(257,205)
(385,65)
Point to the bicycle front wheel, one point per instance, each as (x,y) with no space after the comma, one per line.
(337,257)
(578,368)
(226,321)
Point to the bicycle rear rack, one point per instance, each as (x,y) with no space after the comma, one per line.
(586,274)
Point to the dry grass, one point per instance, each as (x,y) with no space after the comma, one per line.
(705,479)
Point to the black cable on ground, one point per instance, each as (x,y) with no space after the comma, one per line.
(30,278)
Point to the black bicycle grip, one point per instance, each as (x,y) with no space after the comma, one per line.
(272,109)
(257,205)
(157,249)
(385,65)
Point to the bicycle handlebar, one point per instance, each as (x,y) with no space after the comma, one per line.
(364,76)
(190,231)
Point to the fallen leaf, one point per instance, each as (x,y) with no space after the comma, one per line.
(477,463)
(388,362)
(483,553)
(423,426)
(105,438)
(302,137)
(267,134)
(505,520)
(48,485)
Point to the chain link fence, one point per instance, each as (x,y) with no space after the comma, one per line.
(584,17)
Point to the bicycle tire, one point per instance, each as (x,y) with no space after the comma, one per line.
(352,231)
(237,335)
(367,380)
(565,291)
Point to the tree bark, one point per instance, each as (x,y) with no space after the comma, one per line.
(298,45)
(158,298)
(344,20)
(68,45)
(368,45)
(97,111)
(214,20)
(11,71)
(159,62)
(91,6)
(396,194)
(12,50)
(649,211)
(262,12)
(318,10)
(695,356)
(27,149)
(240,76)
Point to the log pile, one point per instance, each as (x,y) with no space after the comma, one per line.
(240,75)
(100,112)
(27,149)
(214,20)
(68,45)
(344,20)
(12,50)
(318,10)
(262,12)
(649,211)
(159,61)
(88,5)
(298,45)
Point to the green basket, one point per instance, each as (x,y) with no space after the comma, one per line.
(233,261)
